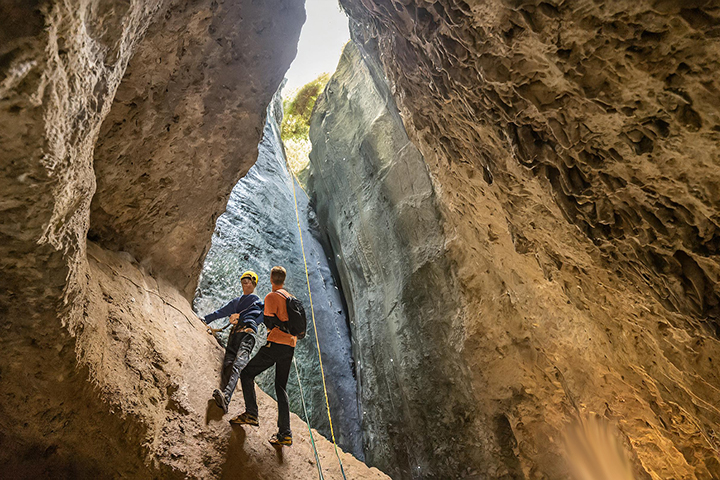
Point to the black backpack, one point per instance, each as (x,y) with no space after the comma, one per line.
(297,321)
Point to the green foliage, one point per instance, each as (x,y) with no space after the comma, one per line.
(296,121)
(295,127)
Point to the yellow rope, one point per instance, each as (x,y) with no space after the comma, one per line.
(312,313)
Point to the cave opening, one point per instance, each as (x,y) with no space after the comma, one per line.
(502,288)
(259,229)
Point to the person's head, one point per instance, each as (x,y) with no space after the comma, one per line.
(277,276)
(248,280)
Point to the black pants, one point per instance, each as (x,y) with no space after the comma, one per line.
(271,354)
(237,356)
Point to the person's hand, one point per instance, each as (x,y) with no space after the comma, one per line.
(234,318)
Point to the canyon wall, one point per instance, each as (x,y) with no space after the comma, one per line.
(105,371)
(259,230)
(195,118)
(373,193)
(572,150)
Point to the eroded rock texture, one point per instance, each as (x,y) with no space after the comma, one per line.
(573,147)
(259,230)
(105,371)
(195,117)
(53,55)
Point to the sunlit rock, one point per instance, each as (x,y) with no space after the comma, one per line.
(259,230)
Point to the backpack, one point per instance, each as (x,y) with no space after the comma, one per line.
(297,321)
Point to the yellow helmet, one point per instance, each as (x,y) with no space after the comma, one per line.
(251,275)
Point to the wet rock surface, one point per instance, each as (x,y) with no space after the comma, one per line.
(373,193)
(259,230)
(572,146)
(105,372)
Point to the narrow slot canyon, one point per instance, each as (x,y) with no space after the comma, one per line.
(507,214)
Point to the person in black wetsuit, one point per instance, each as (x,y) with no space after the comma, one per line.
(245,313)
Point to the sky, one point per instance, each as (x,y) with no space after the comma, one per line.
(321,41)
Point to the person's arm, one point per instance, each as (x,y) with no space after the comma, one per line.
(269,317)
(225,311)
(270,321)
(255,313)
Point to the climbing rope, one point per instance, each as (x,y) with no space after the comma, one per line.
(312,313)
(211,330)
(307,421)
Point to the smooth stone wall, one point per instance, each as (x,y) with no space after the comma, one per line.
(259,230)
(375,198)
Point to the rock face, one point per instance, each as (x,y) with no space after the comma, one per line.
(197,118)
(572,147)
(105,371)
(562,259)
(373,193)
(258,231)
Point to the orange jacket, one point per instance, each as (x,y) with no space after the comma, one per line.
(276,306)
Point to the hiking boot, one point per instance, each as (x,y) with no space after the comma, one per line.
(220,400)
(245,419)
(280,439)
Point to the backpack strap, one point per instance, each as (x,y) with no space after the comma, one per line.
(283,295)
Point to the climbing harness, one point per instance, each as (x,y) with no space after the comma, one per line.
(307,421)
(312,313)
(211,330)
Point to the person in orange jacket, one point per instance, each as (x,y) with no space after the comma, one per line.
(279,351)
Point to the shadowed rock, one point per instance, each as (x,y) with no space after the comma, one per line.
(105,371)
(571,147)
